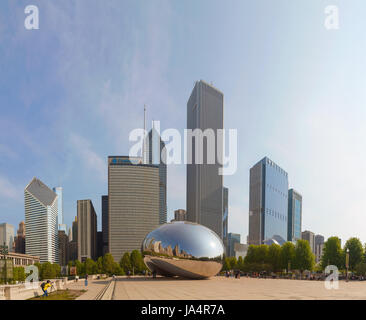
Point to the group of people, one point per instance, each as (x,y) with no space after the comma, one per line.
(232,273)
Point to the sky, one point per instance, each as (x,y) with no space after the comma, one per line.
(73,90)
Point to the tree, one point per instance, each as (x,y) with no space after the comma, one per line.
(80,270)
(251,256)
(274,257)
(90,266)
(226,266)
(233,262)
(361,269)
(240,263)
(18,274)
(56,268)
(287,255)
(332,253)
(99,265)
(125,262)
(137,262)
(304,258)
(355,252)
(117,270)
(48,271)
(108,264)
(262,254)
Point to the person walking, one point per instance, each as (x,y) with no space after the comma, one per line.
(45,286)
(86,280)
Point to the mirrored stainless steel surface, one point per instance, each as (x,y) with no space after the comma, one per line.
(183,249)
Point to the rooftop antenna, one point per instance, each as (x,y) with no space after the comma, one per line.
(143,143)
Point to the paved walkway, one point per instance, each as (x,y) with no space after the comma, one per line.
(220,288)
(93,288)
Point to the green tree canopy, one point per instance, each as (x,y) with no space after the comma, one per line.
(108,264)
(99,265)
(304,258)
(355,252)
(137,262)
(274,257)
(48,271)
(90,266)
(80,268)
(226,266)
(125,262)
(332,253)
(287,255)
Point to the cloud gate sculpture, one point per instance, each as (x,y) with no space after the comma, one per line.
(183,249)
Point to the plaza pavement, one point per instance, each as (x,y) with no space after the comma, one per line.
(221,288)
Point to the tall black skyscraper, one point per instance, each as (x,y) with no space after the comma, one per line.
(105,219)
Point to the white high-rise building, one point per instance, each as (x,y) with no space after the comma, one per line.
(41,222)
(60,209)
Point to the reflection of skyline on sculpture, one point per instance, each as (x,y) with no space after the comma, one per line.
(183,249)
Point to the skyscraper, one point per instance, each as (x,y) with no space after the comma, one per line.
(205,109)
(294,215)
(225,217)
(133,194)
(157,156)
(319,246)
(87,230)
(268,202)
(105,219)
(7,235)
(41,230)
(63,248)
(232,239)
(20,239)
(60,208)
(180,215)
(310,237)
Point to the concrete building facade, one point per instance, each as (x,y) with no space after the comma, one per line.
(205,111)
(157,156)
(7,236)
(105,219)
(63,248)
(180,215)
(20,239)
(310,237)
(133,203)
(87,230)
(225,218)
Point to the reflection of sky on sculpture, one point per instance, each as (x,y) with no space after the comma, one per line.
(194,239)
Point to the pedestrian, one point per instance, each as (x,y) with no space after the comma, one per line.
(45,286)
(86,280)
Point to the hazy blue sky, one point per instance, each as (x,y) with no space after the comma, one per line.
(71,92)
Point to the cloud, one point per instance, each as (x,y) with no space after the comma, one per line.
(9,190)
(92,161)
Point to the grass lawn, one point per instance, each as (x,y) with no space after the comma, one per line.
(61,295)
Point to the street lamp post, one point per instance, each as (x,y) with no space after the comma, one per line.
(347,263)
(4,251)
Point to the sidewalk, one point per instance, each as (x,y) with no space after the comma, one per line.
(93,288)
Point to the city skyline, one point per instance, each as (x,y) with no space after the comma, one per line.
(313,126)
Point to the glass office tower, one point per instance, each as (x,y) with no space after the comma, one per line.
(294,215)
(268,202)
